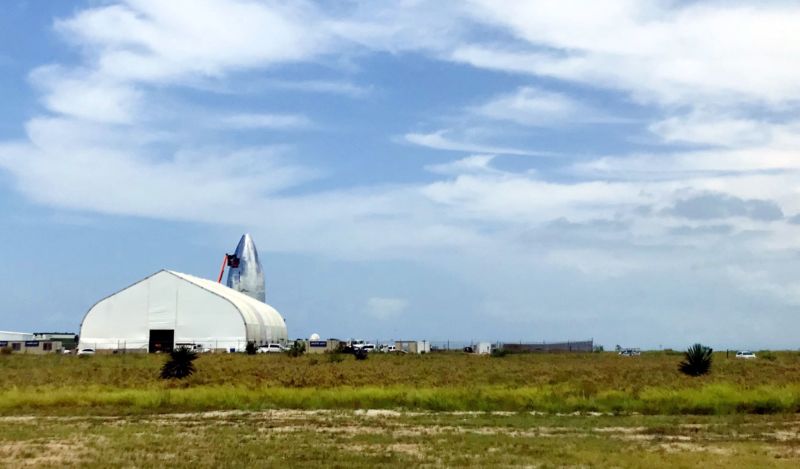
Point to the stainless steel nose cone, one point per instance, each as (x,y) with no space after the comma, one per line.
(245,273)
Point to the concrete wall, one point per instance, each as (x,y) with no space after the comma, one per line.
(577,346)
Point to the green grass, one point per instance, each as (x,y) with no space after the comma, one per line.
(714,399)
(650,384)
(603,371)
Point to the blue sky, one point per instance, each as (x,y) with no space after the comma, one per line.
(493,170)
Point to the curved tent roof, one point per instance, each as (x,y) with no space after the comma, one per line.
(253,311)
(196,309)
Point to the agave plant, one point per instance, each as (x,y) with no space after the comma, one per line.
(361,353)
(697,360)
(179,365)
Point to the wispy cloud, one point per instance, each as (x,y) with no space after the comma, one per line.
(667,53)
(530,106)
(266,121)
(470,164)
(439,141)
(321,86)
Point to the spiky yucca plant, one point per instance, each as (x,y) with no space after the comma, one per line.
(697,360)
(251,348)
(179,365)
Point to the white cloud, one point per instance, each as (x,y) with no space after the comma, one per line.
(87,95)
(321,86)
(663,52)
(265,121)
(470,164)
(439,141)
(385,308)
(67,164)
(690,164)
(147,40)
(539,108)
(719,129)
(518,199)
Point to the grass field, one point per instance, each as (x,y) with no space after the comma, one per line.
(438,409)
(649,384)
(398,439)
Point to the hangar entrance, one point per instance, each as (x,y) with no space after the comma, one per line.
(161,340)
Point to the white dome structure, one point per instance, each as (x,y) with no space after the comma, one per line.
(170,308)
(314,336)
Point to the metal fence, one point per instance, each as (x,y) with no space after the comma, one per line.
(138,346)
(568,346)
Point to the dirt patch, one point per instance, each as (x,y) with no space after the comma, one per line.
(784,435)
(684,447)
(407,449)
(620,429)
(37,452)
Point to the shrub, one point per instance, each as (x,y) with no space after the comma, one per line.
(251,348)
(598,349)
(499,352)
(5,351)
(335,357)
(297,349)
(179,365)
(697,360)
(360,354)
(767,355)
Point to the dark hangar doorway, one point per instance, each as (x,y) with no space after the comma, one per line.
(161,340)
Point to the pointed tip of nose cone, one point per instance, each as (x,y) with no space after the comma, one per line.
(245,240)
(248,277)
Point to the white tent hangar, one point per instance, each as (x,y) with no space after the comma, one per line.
(169,308)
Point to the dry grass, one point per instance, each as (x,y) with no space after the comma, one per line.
(650,384)
(594,372)
(113,411)
(398,439)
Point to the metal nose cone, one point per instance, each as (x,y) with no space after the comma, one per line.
(248,276)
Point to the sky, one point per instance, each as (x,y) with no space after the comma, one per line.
(495,170)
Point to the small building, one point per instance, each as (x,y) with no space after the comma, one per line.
(68,339)
(168,307)
(483,348)
(31,346)
(316,346)
(323,346)
(413,346)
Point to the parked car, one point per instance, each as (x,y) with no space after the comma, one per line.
(630,352)
(86,351)
(366,347)
(197,348)
(746,354)
(271,348)
(391,349)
